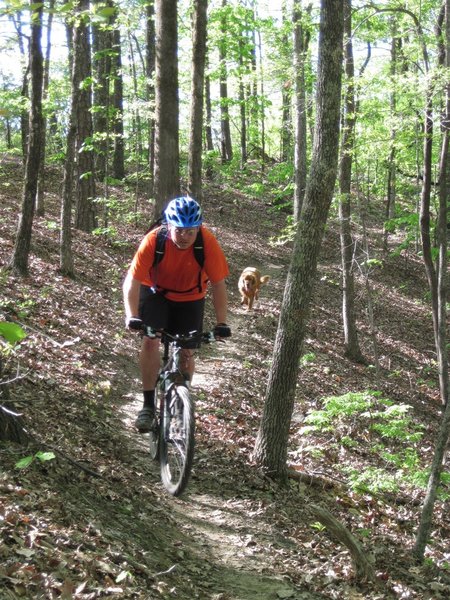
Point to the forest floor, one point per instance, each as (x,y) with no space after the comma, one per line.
(95,521)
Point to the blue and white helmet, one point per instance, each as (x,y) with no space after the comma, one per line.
(184,212)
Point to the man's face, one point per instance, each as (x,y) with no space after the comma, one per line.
(183,237)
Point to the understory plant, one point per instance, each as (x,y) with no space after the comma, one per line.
(385,430)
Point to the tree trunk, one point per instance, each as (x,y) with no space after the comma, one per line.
(65,239)
(226,145)
(24,114)
(199,22)
(118,161)
(85,214)
(150,72)
(40,202)
(19,260)
(391,163)
(286,110)
(352,349)
(242,109)
(425,524)
(102,42)
(208,115)
(167,175)
(300,168)
(271,444)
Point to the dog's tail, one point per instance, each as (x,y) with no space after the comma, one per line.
(264,279)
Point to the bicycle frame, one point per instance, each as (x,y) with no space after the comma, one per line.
(172,441)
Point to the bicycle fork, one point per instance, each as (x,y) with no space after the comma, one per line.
(170,401)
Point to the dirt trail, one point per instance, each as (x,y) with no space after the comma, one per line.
(228,541)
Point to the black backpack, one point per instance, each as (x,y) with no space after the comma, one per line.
(199,254)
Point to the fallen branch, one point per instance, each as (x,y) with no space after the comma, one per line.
(309,479)
(362,562)
(67,458)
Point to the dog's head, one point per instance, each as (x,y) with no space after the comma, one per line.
(250,282)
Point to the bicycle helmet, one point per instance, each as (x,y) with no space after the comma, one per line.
(183,212)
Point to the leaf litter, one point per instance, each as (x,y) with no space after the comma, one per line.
(95,522)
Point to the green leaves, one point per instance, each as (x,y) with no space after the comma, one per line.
(25,462)
(11,332)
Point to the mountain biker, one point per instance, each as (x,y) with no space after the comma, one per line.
(171,294)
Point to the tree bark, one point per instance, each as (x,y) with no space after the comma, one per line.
(286,95)
(425,524)
(167,175)
(226,145)
(118,161)
(352,349)
(19,260)
(40,199)
(102,42)
(85,213)
(300,164)
(271,444)
(199,22)
(150,72)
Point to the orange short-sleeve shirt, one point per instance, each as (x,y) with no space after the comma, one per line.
(179,270)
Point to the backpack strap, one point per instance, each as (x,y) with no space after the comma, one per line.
(160,247)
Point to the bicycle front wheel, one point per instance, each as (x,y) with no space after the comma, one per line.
(177,441)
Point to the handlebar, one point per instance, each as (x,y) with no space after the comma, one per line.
(205,337)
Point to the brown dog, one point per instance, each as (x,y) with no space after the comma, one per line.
(249,284)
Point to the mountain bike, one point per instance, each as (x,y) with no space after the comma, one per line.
(172,435)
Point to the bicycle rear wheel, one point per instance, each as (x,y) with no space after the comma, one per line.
(177,441)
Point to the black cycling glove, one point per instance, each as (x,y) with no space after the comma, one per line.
(135,324)
(222,330)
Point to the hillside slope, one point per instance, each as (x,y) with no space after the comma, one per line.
(95,522)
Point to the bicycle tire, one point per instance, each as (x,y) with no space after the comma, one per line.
(177,443)
(154,435)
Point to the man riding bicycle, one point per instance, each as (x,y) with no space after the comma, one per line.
(165,288)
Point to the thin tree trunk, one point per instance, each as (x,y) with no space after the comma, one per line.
(271,444)
(242,111)
(40,202)
(19,260)
(24,114)
(150,73)
(391,163)
(226,146)
(85,214)
(167,175)
(102,43)
(300,163)
(352,349)
(208,107)
(118,161)
(65,240)
(199,19)
(425,524)
(286,110)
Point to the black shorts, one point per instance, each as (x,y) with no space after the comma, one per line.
(174,317)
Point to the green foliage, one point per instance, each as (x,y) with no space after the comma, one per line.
(23,308)
(307,358)
(394,440)
(40,456)
(286,235)
(338,408)
(371,480)
(11,332)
